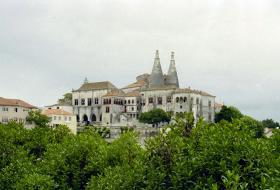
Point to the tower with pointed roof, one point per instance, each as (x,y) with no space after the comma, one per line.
(172,76)
(156,77)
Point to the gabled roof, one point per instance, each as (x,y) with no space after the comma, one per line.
(136,84)
(56,112)
(15,102)
(59,104)
(97,86)
(115,93)
(132,94)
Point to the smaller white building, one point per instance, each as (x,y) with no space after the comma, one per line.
(14,110)
(61,117)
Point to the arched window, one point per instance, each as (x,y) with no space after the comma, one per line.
(185,99)
(85,118)
(177,99)
(93,118)
(181,99)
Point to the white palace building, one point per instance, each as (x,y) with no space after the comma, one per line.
(104,103)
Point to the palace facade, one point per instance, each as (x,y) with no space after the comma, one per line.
(104,103)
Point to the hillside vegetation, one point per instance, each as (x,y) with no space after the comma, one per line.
(225,155)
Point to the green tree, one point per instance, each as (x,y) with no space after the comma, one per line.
(35,181)
(37,118)
(228,114)
(67,99)
(270,123)
(154,116)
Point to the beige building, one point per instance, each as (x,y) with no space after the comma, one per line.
(61,117)
(14,110)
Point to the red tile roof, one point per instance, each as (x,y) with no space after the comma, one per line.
(114,93)
(15,102)
(139,84)
(56,112)
(132,94)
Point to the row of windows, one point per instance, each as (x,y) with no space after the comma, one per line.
(7,109)
(6,119)
(131,108)
(130,101)
(59,118)
(83,101)
(184,99)
(133,115)
(150,100)
(159,100)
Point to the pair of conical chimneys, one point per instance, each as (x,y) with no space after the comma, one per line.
(157,78)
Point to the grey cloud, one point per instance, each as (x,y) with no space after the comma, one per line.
(229,48)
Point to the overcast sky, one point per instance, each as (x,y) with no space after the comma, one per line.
(229,48)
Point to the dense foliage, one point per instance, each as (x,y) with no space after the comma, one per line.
(35,117)
(154,116)
(224,155)
(67,99)
(270,123)
(228,114)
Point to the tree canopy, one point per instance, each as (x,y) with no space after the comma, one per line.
(228,114)
(154,116)
(67,99)
(37,118)
(270,123)
(185,155)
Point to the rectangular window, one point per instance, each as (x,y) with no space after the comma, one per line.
(76,102)
(128,101)
(54,118)
(209,103)
(169,99)
(107,109)
(159,100)
(132,108)
(151,100)
(132,101)
(83,101)
(59,118)
(89,101)
(96,101)
(69,118)
(209,117)
(16,109)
